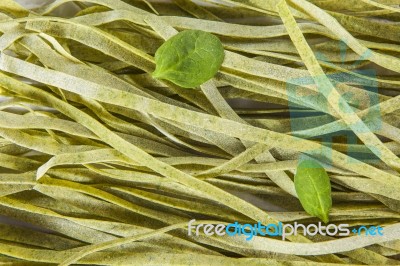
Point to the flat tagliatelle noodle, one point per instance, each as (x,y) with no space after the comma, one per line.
(108,165)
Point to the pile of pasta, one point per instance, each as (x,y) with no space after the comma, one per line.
(107,165)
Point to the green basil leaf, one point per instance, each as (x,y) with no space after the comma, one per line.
(189,58)
(313,189)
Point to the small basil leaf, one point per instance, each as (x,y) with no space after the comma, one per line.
(313,189)
(189,58)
